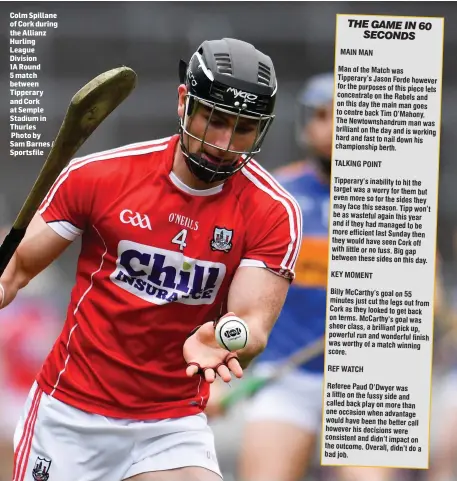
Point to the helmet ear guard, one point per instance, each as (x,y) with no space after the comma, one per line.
(182,79)
(182,71)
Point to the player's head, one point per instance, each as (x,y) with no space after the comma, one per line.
(226,103)
(314,118)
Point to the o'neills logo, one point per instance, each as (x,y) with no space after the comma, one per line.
(183,220)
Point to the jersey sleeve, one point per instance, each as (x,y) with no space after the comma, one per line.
(66,208)
(274,239)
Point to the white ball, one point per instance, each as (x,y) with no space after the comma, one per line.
(232,333)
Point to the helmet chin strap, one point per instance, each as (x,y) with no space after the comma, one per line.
(196,164)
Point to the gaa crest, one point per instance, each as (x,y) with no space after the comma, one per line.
(222,239)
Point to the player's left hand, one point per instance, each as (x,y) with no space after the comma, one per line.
(203,354)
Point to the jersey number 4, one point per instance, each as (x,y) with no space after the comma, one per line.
(180,239)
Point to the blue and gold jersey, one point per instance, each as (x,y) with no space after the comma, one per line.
(302,319)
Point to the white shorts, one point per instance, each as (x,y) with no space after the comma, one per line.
(294,399)
(72,445)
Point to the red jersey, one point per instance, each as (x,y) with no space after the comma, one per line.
(157,260)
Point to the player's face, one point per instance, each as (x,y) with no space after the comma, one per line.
(318,131)
(222,130)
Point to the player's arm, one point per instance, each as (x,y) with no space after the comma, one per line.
(260,285)
(39,247)
(62,217)
(257,296)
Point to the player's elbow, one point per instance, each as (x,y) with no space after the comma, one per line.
(256,344)
(260,340)
(13,279)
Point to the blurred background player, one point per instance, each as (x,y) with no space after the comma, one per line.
(443,465)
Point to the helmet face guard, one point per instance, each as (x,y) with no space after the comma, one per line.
(202,167)
(225,78)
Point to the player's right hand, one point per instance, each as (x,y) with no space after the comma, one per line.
(204,356)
